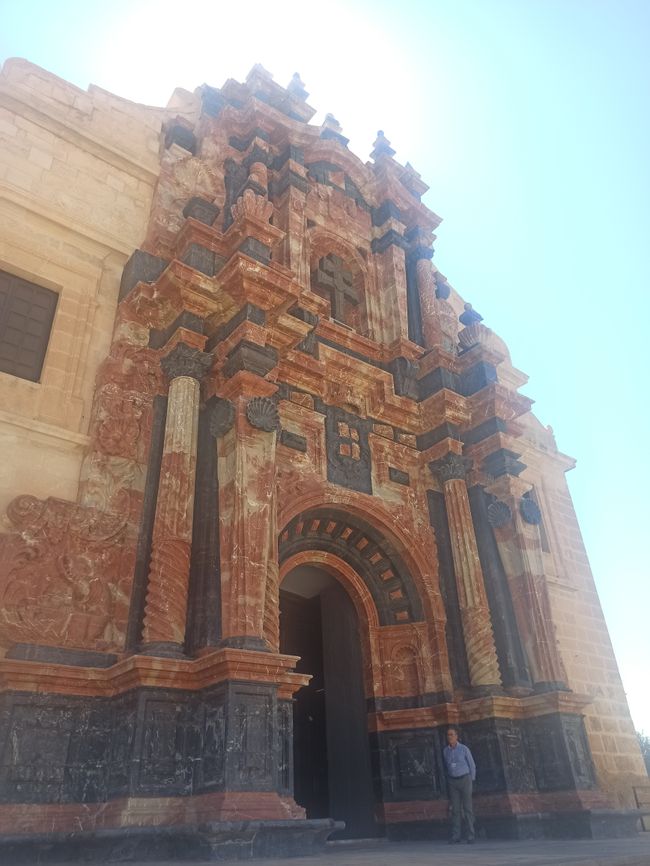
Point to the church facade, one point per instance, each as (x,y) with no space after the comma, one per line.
(274,510)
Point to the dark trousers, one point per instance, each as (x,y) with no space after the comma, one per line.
(460,796)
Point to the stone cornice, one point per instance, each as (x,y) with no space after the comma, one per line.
(140,671)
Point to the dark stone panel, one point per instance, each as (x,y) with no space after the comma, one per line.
(365,358)
(252,357)
(248,313)
(235,177)
(291,152)
(182,136)
(477,377)
(438,379)
(398,476)
(482,431)
(202,210)
(200,258)
(503,462)
(284,181)
(429,699)
(512,658)
(560,752)
(352,190)
(293,440)
(255,250)
(143,550)
(242,144)
(348,456)
(483,741)
(204,608)
(413,307)
(304,315)
(140,268)
(443,431)
(453,629)
(149,742)
(32,652)
(386,210)
(187,320)
(212,101)
(285,747)
(379,245)
(251,737)
(404,377)
(408,765)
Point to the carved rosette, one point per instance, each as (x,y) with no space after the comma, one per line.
(185,361)
(262,413)
(222,418)
(530,512)
(451,466)
(499,514)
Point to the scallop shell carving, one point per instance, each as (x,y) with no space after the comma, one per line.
(498,513)
(529,510)
(263,414)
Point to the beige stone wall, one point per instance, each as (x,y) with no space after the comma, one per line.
(581,630)
(77,171)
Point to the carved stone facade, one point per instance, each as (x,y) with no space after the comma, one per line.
(276,473)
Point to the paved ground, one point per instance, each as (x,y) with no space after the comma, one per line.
(601,852)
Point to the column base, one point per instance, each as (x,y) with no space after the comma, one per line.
(246,642)
(162,649)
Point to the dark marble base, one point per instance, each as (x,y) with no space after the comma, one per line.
(228,840)
(587,824)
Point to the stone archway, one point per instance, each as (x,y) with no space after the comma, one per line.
(349,607)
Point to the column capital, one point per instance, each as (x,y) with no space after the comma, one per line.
(185,361)
(450,467)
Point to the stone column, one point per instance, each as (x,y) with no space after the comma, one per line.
(247,526)
(515,521)
(474,610)
(166,601)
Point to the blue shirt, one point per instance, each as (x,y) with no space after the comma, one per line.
(459,761)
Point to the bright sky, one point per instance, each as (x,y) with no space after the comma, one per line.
(529,121)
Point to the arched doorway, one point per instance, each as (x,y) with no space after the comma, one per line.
(332,764)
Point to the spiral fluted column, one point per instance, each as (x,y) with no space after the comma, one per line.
(475,613)
(166,601)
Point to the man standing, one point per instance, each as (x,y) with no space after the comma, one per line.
(461,772)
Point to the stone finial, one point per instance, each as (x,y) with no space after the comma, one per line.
(296,87)
(185,361)
(474,331)
(332,123)
(252,205)
(381,147)
(470,316)
(451,466)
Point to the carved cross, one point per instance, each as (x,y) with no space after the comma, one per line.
(334,278)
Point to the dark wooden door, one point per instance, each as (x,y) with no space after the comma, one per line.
(332,771)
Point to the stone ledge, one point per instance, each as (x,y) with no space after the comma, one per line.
(214,841)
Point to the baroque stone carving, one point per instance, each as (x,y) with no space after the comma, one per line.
(263,414)
(222,418)
(450,467)
(530,512)
(57,575)
(249,204)
(185,361)
(499,514)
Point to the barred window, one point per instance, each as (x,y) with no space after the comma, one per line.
(26,315)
